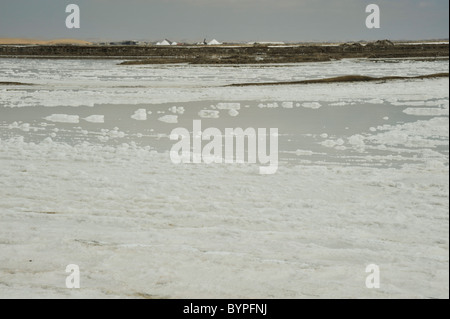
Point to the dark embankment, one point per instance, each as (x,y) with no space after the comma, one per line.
(348,78)
(258,54)
(14,83)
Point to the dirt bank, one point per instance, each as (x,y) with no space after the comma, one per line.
(350,78)
(228,54)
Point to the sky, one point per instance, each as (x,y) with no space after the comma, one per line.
(225,20)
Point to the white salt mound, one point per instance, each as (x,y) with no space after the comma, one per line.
(214,42)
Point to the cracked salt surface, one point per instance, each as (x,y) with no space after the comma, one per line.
(86,178)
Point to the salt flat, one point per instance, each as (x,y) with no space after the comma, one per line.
(86,179)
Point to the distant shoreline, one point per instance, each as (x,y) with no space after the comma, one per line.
(20,41)
(230,54)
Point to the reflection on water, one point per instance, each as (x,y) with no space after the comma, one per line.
(308,133)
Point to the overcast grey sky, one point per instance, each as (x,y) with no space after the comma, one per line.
(226,20)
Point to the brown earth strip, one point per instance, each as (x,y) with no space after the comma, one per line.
(348,78)
(229,55)
(14,83)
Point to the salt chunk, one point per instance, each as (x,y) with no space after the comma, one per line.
(208,114)
(95,119)
(170,119)
(312,105)
(140,115)
(63,118)
(233,112)
(287,105)
(228,106)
